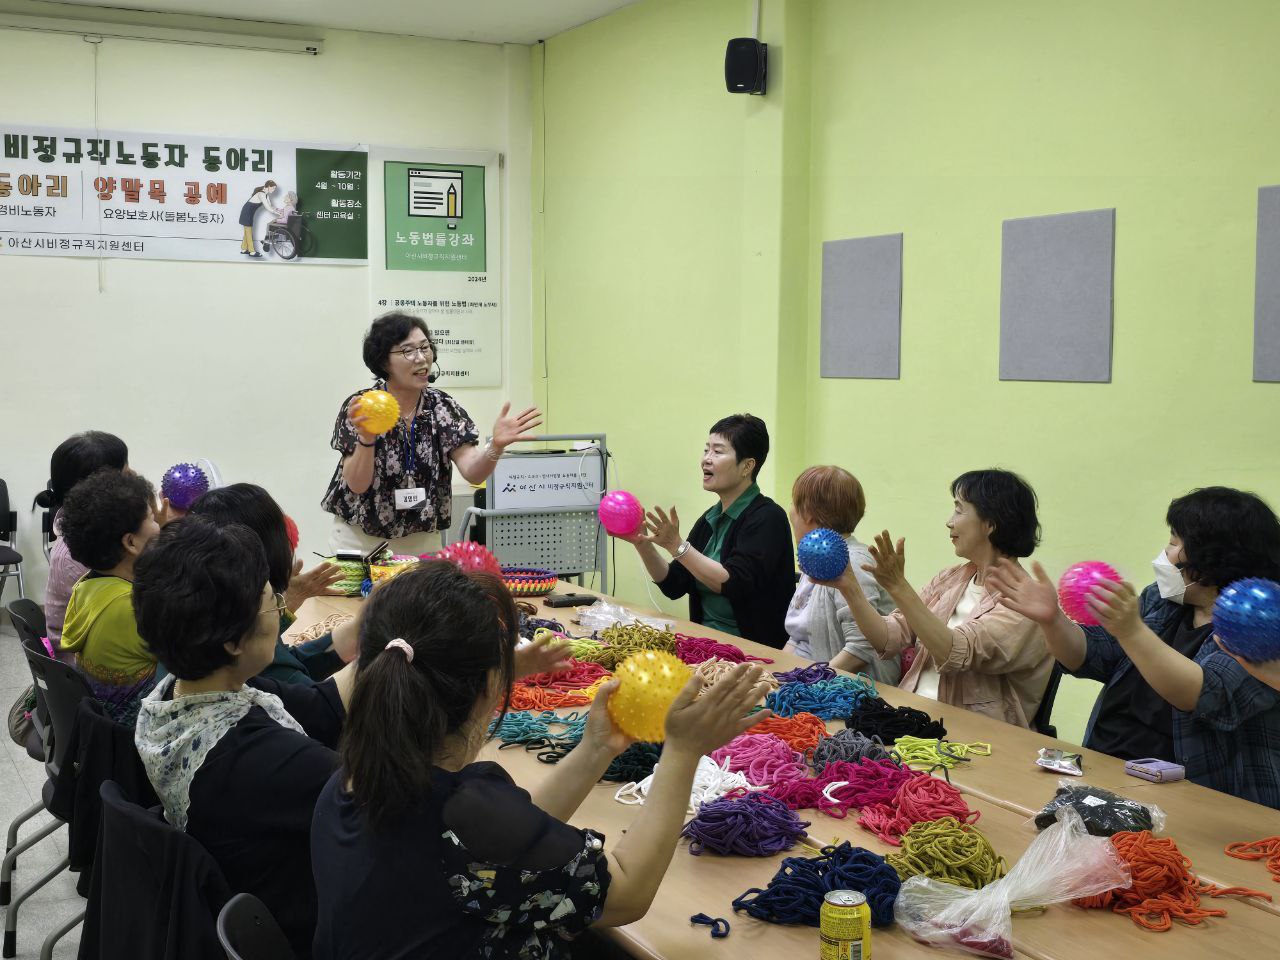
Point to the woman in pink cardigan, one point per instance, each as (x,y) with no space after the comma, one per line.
(969,650)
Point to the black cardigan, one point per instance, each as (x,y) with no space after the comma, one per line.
(757,553)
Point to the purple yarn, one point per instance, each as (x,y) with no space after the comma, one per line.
(755,825)
(183,484)
(813,673)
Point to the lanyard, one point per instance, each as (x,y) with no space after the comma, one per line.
(410,454)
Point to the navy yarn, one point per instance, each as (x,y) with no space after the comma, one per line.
(795,893)
(719,925)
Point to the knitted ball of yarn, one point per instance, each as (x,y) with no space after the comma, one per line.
(1246,618)
(648,682)
(380,410)
(823,554)
(183,484)
(1074,587)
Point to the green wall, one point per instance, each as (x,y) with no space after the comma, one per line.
(937,120)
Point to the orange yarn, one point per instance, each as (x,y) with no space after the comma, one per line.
(1267,848)
(802,732)
(526,697)
(1164,888)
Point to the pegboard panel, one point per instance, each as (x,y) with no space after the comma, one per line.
(567,543)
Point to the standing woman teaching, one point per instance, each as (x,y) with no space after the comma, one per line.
(398,486)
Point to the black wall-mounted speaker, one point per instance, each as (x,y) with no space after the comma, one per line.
(745,62)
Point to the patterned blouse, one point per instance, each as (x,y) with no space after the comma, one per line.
(403,458)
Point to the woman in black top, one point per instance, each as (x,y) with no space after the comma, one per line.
(420,851)
(398,486)
(737,567)
(237,760)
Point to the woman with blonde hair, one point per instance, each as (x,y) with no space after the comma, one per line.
(820,625)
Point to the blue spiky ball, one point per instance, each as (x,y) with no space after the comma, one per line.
(1246,618)
(823,554)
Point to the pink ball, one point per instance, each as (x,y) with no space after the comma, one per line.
(470,556)
(621,513)
(1074,587)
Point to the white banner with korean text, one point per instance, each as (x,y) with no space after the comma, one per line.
(108,193)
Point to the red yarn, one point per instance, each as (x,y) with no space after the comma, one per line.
(918,800)
(1164,888)
(694,650)
(576,676)
(869,781)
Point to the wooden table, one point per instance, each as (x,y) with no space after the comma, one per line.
(1007,788)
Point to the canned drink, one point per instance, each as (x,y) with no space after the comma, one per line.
(845,926)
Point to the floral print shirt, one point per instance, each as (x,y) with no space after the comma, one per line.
(410,456)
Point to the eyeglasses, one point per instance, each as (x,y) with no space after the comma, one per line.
(411,353)
(277,607)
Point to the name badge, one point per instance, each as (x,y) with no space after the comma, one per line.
(408,499)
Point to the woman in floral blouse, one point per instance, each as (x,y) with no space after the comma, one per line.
(397,486)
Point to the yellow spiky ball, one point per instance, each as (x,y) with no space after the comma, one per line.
(380,409)
(647,683)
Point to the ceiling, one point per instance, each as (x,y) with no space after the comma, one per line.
(485,21)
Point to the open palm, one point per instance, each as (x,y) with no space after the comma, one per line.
(1035,597)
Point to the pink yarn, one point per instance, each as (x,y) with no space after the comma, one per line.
(762,758)
(868,781)
(693,650)
(918,800)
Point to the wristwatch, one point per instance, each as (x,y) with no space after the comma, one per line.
(681,550)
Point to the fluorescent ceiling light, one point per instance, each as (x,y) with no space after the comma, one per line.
(161,27)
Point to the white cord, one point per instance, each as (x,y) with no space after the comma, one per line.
(710,782)
(755,22)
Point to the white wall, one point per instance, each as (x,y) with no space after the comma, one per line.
(245,364)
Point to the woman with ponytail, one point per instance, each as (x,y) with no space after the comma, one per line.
(419,850)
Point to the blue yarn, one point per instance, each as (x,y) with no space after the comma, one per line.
(533,731)
(832,699)
(719,925)
(795,893)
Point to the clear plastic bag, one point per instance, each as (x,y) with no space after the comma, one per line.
(601,615)
(1062,863)
(1102,811)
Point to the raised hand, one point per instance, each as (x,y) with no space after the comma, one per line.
(890,562)
(509,428)
(704,723)
(1036,598)
(664,529)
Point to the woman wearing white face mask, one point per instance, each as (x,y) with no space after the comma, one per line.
(1171,692)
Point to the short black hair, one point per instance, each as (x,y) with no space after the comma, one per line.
(384,333)
(748,436)
(77,457)
(249,504)
(1227,535)
(100,511)
(197,586)
(1007,502)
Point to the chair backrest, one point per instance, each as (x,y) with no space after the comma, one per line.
(8,518)
(63,688)
(248,931)
(27,619)
(153,887)
(1042,722)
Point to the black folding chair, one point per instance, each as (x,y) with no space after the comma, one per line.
(248,931)
(10,558)
(63,688)
(1042,722)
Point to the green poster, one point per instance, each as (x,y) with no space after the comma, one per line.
(333,198)
(435,217)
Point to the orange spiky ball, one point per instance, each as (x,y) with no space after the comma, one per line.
(380,409)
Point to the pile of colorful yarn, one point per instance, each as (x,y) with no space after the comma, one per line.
(829,698)
(574,687)
(552,733)
(795,893)
(1164,889)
